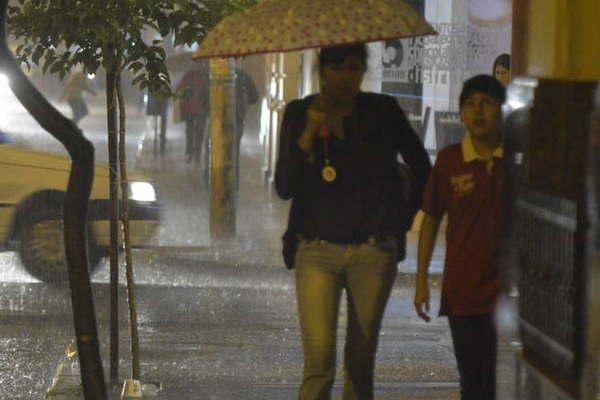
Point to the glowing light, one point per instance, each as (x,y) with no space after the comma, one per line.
(142,191)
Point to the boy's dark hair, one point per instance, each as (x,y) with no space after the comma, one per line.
(484,84)
(337,54)
(502,60)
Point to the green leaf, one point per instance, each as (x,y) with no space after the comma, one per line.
(138,79)
(161,52)
(37,54)
(48,61)
(136,66)
(163,24)
(57,67)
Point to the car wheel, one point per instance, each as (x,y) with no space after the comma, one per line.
(42,249)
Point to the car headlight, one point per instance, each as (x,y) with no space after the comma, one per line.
(142,191)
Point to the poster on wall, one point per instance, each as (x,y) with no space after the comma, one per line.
(471,34)
(401,60)
(465,46)
(490,29)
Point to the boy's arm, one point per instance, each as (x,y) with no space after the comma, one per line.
(427,236)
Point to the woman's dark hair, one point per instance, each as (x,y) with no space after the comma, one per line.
(337,54)
(502,60)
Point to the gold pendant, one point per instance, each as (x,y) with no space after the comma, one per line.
(329,174)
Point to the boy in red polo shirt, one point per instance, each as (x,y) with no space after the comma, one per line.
(465,184)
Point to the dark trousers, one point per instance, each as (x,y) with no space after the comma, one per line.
(239,131)
(79,108)
(474,339)
(194,135)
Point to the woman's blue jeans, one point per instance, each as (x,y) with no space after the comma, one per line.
(323,270)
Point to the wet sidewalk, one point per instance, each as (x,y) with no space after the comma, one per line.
(261,215)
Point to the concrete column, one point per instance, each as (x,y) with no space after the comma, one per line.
(563,39)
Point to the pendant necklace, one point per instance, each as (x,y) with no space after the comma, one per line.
(328,173)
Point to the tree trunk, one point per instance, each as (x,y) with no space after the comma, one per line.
(111,121)
(133,323)
(79,187)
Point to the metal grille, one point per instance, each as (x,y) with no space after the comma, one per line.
(547,285)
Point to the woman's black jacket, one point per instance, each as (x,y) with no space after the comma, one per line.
(369,196)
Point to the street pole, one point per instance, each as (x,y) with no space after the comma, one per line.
(223,158)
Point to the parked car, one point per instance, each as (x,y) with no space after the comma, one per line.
(32,190)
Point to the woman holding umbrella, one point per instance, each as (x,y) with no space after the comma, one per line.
(338,162)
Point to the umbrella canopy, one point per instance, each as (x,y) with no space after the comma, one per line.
(287,25)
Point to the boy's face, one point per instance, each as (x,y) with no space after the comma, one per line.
(481,115)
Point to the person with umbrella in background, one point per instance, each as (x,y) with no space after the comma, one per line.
(158,107)
(246,96)
(73,94)
(338,162)
(194,106)
(194,88)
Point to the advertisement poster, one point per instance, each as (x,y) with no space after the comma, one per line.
(425,74)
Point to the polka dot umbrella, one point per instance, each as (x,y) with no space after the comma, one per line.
(287,25)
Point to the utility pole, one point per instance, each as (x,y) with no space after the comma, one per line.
(223,160)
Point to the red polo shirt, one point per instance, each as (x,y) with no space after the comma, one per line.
(467,188)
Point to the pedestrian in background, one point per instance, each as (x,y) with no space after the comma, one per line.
(501,69)
(194,108)
(246,95)
(338,162)
(73,91)
(465,184)
(158,108)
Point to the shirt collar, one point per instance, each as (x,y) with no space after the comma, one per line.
(469,153)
